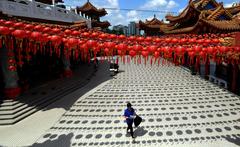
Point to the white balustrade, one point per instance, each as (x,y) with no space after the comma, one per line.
(32,9)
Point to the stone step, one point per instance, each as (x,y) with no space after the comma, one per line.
(23,111)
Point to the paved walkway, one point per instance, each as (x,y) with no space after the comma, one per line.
(178,110)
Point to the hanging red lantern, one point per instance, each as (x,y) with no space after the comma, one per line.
(29,27)
(148,39)
(112,36)
(2,22)
(56,40)
(47,30)
(38,28)
(216,41)
(56,30)
(4,30)
(72,43)
(91,43)
(174,41)
(157,40)
(140,39)
(152,48)
(122,47)
(132,38)
(36,36)
(19,34)
(68,32)
(121,37)
(8,23)
(103,36)
(137,48)
(85,34)
(19,25)
(12,68)
(94,35)
(132,53)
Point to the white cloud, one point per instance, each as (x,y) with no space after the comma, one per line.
(171,4)
(132,13)
(229,4)
(154,4)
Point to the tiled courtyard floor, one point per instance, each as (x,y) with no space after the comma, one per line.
(178,109)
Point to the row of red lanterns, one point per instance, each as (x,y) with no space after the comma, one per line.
(82,41)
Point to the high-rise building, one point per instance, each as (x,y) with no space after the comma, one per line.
(133,28)
(121,28)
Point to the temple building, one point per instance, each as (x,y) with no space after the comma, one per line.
(151,27)
(203,16)
(91,11)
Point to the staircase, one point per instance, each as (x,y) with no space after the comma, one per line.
(38,98)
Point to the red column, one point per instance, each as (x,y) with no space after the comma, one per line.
(234,77)
(207,68)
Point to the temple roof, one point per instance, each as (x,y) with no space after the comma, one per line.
(194,6)
(234,9)
(104,24)
(226,25)
(216,13)
(185,13)
(90,10)
(151,24)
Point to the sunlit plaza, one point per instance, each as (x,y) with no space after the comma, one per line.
(68,73)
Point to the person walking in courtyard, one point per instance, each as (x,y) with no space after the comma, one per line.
(129,114)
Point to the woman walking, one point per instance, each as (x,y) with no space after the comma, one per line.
(129,114)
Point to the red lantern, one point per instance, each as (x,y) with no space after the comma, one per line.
(174,40)
(140,39)
(4,30)
(12,68)
(103,36)
(36,36)
(152,48)
(72,42)
(38,28)
(122,37)
(85,34)
(47,30)
(56,40)
(8,23)
(68,32)
(137,48)
(19,34)
(148,39)
(91,43)
(56,30)
(157,40)
(18,25)
(94,34)
(29,27)
(122,47)
(132,53)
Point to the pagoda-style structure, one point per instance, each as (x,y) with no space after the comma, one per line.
(151,27)
(91,11)
(203,16)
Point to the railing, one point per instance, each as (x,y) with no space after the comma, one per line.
(32,9)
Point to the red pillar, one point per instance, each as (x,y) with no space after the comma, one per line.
(234,77)
(207,68)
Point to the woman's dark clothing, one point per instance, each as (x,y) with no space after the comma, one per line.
(129,113)
(130,128)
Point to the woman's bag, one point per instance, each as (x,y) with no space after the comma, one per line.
(137,121)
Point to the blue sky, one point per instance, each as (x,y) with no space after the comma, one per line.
(116,17)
